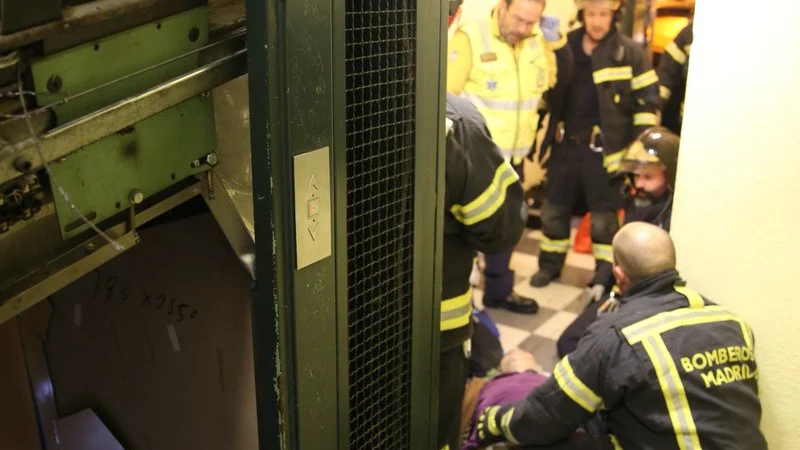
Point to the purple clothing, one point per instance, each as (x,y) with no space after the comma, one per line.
(503,389)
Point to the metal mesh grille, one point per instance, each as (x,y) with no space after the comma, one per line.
(380,68)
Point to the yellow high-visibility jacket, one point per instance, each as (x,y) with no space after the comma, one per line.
(504,82)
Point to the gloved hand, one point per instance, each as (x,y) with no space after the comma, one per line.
(549,26)
(596,292)
(609,306)
(488,425)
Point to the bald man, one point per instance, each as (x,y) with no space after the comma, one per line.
(668,370)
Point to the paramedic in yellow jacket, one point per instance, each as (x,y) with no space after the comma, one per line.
(503,63)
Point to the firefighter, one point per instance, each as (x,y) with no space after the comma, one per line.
(668,370)
(611,97)
(503,63)
(651,163)
(673,67)
(485,212)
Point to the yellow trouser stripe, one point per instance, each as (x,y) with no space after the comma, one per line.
(456,312)
(614,442)
(695,300)
(611,162)
(575,388)
(645,118)
(646,79)
(490,200)
(554,246)
(603,252)
(665,92)
(612,74)
(676,53)
(674,393)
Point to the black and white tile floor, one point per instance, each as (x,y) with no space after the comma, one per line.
(559,302)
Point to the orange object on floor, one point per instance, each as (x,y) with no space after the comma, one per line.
(583,239)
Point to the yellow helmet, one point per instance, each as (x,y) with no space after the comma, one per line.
(613,4)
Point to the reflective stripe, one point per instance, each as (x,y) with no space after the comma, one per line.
(646,79)
(614,442)
(603,252)
(532,43)
(612,74)
(695,300)
(486,38)
(456,312)
(490,200)
(611,162)
(502,105)
(676,53)
(687,49)
(665,92)
(669,320)
(505,425)
(645,118)
(492,421)
(575,388)
(649,333)
(448,125)
(674,393)
(554,246)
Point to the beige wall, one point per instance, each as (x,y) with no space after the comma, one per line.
(737,208)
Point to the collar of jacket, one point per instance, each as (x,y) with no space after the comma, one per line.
(656,213)
(610,38)
(654,284)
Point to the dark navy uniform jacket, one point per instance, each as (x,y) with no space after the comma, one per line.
(668,370)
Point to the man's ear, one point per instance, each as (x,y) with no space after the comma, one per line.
(619,273)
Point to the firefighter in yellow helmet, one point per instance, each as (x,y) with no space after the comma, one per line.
(504,63)
(610,98)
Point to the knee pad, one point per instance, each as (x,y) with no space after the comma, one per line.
(555,220)
(604,225)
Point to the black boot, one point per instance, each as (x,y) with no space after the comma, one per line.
(542,278)
(513,302)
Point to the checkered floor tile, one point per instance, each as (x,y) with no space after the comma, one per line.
(560,302)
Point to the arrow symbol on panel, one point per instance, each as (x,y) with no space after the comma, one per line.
(312,184)
(313,229)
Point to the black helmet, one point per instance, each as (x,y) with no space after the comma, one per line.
(655,146)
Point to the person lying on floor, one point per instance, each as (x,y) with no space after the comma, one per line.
(518,375)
